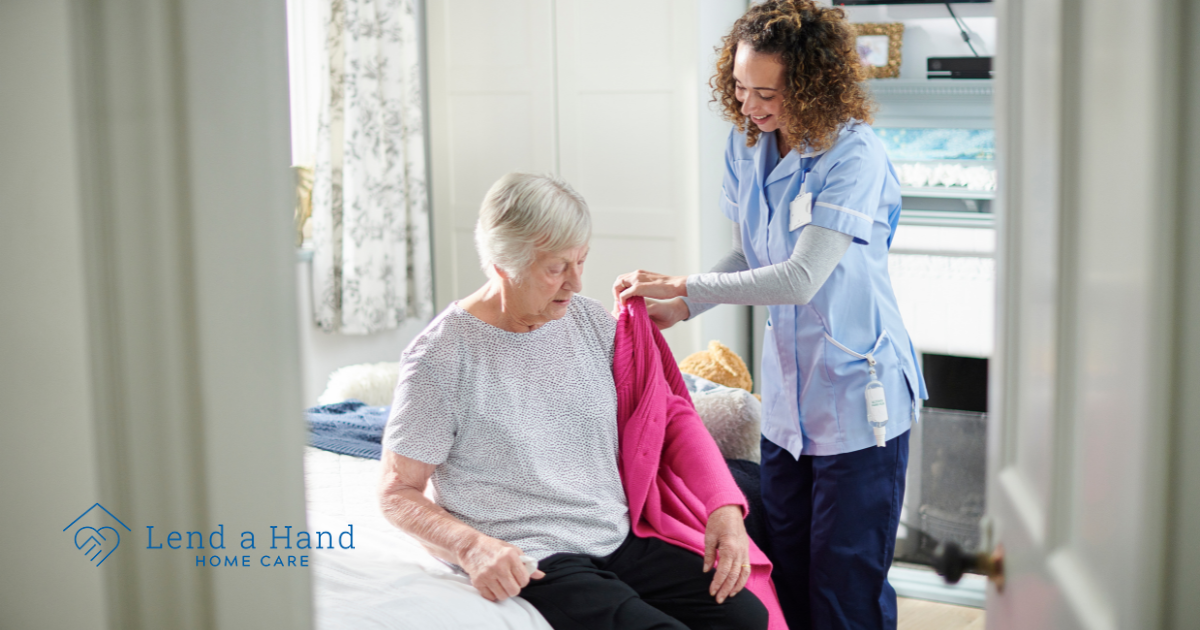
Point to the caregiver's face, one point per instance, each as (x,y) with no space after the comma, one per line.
(546,288)
(759,86)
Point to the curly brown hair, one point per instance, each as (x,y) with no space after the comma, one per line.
(822,73)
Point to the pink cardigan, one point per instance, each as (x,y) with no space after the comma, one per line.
(673,472)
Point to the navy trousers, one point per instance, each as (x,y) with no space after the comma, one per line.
(832,524)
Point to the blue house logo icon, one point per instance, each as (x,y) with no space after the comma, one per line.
(96,537)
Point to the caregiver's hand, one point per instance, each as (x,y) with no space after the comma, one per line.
(667,313)
(495,568)
(726,535)
(648,284)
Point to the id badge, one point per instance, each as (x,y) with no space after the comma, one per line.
(801,211)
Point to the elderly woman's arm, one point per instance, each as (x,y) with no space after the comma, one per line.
(495,566)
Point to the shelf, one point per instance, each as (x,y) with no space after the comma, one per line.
(938,88)
(933,218)
(946,192)
(950,103)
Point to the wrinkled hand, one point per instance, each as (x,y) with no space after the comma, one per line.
(496,569)
(725,537)
(648,284)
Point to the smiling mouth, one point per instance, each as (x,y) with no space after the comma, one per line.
(758,119)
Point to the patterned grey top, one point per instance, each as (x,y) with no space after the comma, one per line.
(521,426)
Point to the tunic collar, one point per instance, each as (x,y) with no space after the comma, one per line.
(787,165)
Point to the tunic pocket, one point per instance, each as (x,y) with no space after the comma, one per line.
(849,373)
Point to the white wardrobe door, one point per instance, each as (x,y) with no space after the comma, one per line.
(628,133)
(491,97)
(601,94)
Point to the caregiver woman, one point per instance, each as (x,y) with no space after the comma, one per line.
(815,201)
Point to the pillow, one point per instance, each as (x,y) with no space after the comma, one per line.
(372,383)
(733,417)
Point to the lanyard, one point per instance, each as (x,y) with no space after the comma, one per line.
(874,392)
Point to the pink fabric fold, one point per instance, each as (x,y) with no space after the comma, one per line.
(673,472)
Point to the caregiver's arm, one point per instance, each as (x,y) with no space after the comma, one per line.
(795,281)
(733,262)
(495,566)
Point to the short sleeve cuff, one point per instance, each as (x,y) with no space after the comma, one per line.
(850,221)
(433,456)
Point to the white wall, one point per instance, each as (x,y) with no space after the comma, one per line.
(321,352)
(47,453)
(729,324)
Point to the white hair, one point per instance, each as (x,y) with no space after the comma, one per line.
(523,214)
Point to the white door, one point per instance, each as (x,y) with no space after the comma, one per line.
(627,84)
(600,93)
(491,101)
(1080,446)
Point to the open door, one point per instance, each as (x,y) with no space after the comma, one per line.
(1085,377)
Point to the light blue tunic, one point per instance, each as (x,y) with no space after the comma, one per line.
(814,370)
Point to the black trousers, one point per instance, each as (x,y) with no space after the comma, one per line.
(646,584)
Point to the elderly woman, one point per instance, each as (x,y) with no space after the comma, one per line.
(507,402)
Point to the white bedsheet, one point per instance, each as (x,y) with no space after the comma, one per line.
(388,580)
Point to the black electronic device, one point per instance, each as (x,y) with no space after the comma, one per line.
(958,68)
(904,1)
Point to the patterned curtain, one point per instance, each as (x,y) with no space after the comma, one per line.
(370,225)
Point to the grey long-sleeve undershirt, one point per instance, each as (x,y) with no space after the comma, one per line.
(795,281)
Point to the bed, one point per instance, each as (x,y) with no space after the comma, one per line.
(388,580)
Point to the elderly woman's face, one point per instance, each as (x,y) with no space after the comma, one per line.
(758,86)
(547,286)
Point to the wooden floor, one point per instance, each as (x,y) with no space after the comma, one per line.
(916,614)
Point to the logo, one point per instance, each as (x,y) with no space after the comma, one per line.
(96,537)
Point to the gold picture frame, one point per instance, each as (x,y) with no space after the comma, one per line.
(870,45)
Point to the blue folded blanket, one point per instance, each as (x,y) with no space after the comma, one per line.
(349,427)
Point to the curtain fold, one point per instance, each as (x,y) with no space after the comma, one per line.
(371,260)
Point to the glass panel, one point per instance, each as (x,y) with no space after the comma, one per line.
(912,144)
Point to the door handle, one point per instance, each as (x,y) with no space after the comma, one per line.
(950,562)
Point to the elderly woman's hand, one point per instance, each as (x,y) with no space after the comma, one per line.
(648,284)
(725,535)
(495,568)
